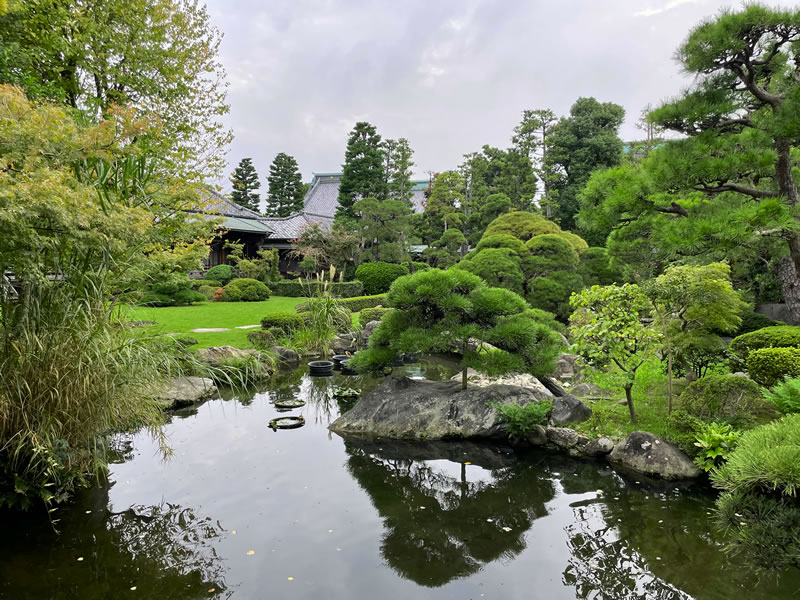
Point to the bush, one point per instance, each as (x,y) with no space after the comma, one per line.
(729,398)
(377,277)
(522,419)
(552,293)
(207,291)
(292,288)
(421,266)
(716,441)
(520,224)
(760,481)
(548,253)
(221,273)
(683,429)
(198,283)
(768,337)
(355,305)
(245,290)
(261,340)
(753,321)
(373,314)
(546,318)
(171,295)
(498,267)
(286,322)
(769,366)
(501,240)
(276,332)
(785,396)
(597,268)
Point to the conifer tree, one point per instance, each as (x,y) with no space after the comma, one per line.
(286,190)
(363,171)
(245,183)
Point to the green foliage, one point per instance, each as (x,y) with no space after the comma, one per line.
(769,337)
(597,267)
(716,441)
(769,366)
(683,430)
(443,310)
(245,290)
(221,273)
(377,277)
(320,248)
(521,420)
(363,173)
(174,292)
(498,267)
(326,317)
(547,253)
(445,252)
(546,318)
(287,322)
(373,314)
(421,266)
(552,292)
(736,400)
(521,225)
(285,187)
(244,180)
(383,226)
(502,240)
(297,289)
(355,304)
(785,396)
(198,283)
(753,321)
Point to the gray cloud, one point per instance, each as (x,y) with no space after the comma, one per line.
(448,75)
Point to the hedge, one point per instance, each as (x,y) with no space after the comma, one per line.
(355,305)
(737,400)
(769,366)
(198,283)
(292,288)
(372,314)
(245,290)
(261,339)
(287,322)
(784,336)
(378,277)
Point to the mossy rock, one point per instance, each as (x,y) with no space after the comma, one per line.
(730,398)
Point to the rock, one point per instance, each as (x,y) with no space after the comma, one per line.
(590,391)
(598,447)
(567,368)
(217,355)
(523,380)
(739,374)
(473,344)
(646,453)
(403,408)
(183,391)
(568,409)
(537,436)
(366,331)
(286,357)
(141,323)
(344,343)
(565,438)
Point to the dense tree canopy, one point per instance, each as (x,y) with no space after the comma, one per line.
(397,155)
(363,170)
(244,180)
(285,191)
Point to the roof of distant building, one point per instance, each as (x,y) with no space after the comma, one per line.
(235,217)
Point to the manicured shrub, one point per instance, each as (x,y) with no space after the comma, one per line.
(373,314)
(377,277)
(760,481)
(769,366)
(729,398)
(522,225)
(548,253)
(276,332)
(498,267)
(785,396)
(176,292)
(207,291)
(261,339)
(421,266)
(356,304)
(576,241)
(246,290)
(551,293)
(768,337)
(292,288)
(221,273)
(522,419)
(501,240)
(198,283)
(287,322)
(753,321)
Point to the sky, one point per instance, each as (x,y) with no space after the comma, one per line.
(448,75)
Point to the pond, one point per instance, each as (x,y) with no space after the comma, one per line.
(241,511)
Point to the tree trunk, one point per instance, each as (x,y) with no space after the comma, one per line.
(629,398)
(790,283)
(464,370)
(669,381)
(789,267)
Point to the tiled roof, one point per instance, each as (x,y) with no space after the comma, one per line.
(322,198)
(290,228)
(220,205)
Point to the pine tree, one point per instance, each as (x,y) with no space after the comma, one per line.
(286,191)
(397,169)
(363,172)
(245,183)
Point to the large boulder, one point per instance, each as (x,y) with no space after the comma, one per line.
(184,391)
(220,354)
(589,391)
(598,447)
(523,380)
(646,453)
(565,438)
(344,343)
(286,357)
(404,408)
(568,409)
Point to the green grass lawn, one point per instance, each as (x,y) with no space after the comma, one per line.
(182,319)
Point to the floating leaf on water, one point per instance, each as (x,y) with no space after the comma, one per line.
(80,558)
(250,552)
(506,529)
(133,588)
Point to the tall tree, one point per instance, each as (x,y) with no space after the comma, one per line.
(160,57)
(397,169)
(584,141)
(383,227)
(363,171)
(285,187)
(531,137)
(245,183)
(443,209)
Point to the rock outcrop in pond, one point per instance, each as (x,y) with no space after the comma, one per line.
(184,391)
(404,408)
(646,453)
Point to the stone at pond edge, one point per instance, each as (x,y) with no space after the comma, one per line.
(536,436)
(184,391)
(598,447)
(568,409)
(366,332)
(217,355)
(565,438)
(286,357)
(523,380)
(646,453)
(404,408)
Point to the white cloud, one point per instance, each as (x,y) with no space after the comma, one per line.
(649,12)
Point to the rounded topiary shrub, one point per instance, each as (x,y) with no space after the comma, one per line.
(769,366)
(284,322)
(245,290)
(261,339)
(730,398)
(378,277)
(784,336)
(372,314)
(221,273)
(207,291)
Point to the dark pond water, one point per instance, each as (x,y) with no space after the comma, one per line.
(240,511)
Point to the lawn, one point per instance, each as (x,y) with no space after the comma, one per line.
(229,315)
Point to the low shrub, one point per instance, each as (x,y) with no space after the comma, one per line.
(769,366)
(295,289)
(758,507)
(373,314)
(198,283)
(245,290)
(207,291)
(287,322)
(276,332)
(356,304)
(735,400)
(261,339)
(716,441)
(753,321)
(546,318)
(785,396)
(682,430)
(522,419)
(221,273)
(172,294)
(421,266)
(377,277)
(769,337)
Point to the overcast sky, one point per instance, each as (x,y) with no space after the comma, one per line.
(449,75)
